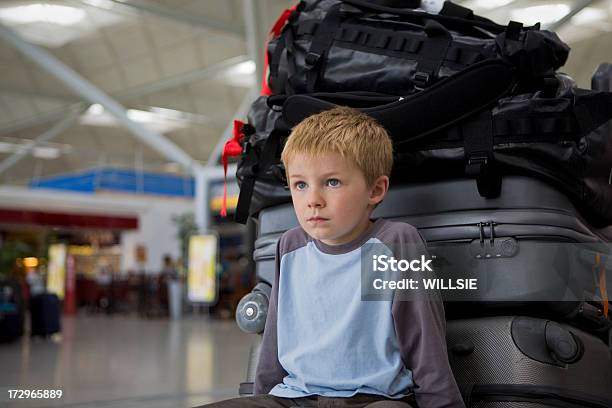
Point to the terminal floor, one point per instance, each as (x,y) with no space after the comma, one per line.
(128,362)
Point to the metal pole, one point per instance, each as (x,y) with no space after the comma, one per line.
(254,36)
(94,95)
(54,131)
(202,207)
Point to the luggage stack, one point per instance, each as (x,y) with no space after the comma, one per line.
(46,315)
(508,178)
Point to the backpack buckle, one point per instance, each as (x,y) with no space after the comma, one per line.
(312,59)
(477,163)
(421,80)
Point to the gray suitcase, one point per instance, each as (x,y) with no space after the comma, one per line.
(528,214)
(524,362)
(529,248)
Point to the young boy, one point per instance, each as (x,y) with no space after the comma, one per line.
(323,345)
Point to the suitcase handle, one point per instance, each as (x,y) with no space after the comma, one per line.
(553,396)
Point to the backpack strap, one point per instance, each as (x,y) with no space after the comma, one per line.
(454,10)
(478,151)
(414,115)
(269,153)
(321,43)
(434,54)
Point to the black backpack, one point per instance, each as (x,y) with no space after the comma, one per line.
(357,45)
(510,62)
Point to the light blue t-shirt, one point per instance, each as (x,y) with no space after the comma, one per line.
(330,342)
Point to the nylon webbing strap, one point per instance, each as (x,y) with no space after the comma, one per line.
(276,56)
(478,149)
(433,55)
(247,185)
(454,10)
(268,155)
(321,43)
(244,199)
(291,64)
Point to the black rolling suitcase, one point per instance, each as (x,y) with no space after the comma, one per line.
(11,324)
(46,315)
(524,362)
(11,312)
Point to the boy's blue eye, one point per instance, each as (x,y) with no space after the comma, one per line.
(300,185)
(333,182)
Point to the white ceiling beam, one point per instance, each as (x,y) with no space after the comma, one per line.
(12,90)
(182,79)
(92,94)
(179,16)
(159,86)
(51,133)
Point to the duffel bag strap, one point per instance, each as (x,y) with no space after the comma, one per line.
(478,149)
(244,200)
(321,44)
(433,55)
(455,10)
(232,148)
(493,79)
(268,155)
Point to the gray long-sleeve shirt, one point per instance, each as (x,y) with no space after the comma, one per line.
(321,338)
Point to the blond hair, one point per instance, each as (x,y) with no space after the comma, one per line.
(347,131)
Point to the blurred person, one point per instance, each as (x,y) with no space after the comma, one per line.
(35,282)
(104,279)
(104,275)
(169,270)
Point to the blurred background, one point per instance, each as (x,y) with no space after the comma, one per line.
(113,116)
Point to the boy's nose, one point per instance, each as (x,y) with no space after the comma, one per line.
(315,199)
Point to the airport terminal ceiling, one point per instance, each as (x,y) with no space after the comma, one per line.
(181,68)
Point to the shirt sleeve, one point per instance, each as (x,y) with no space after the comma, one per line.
(420,326)
(269,371)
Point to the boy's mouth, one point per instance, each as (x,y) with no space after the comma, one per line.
(317,219)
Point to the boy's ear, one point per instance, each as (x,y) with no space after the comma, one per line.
(379,190)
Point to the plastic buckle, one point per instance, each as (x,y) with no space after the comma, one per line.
(477,163)
(421,80)
(312,59)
